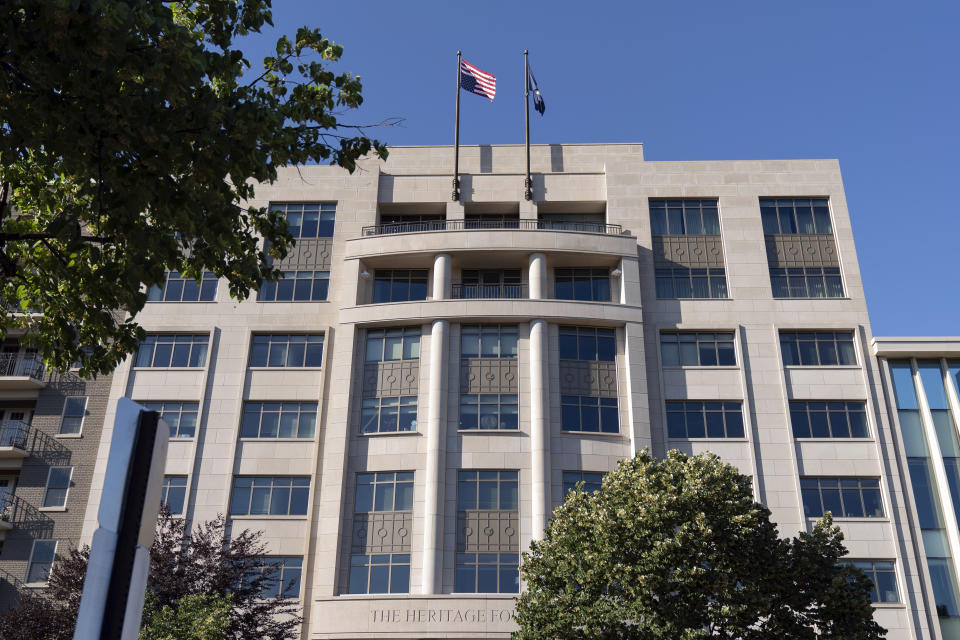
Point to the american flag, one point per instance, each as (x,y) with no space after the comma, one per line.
(476,81)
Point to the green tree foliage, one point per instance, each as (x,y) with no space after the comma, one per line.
(194,617)
(201,564)
(677,549)
(131,132)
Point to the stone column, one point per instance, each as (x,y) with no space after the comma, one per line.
(441,276)
(539,427)
(436,446)
(538,276)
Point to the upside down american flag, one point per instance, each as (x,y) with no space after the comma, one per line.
(477,81)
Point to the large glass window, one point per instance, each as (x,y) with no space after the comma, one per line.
(487,573)
(843,497)
(583,284)
(380,573)
(296,286)
(388,414)
(684,217)
(489,411)
(686,283)
(173,493)
(74,410)
(269,496)
(173,350)
(308,219)
(384,491)
(807,282)
(699,349)
(181,417)
(883,574)
(385,345)
(588,343)
(795,215)
(42,555)
(833,419)
(589,414)
(592,481)
(817,348)
(399,285)
(487,490)
(266,420)
(490,283)
(180,288)
(286,350)
(695,419)
(488,341)
(58,485)
(280,576)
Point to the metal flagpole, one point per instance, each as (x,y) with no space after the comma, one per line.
(456,141)
(528,183)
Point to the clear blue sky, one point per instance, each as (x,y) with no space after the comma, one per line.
(875,84)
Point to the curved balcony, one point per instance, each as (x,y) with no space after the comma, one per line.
(21,371)
(518,236)
(14,437)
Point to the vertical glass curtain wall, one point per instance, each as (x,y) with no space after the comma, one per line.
(928,495)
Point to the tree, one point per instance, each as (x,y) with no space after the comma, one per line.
(194,617)
(181,565)
(130,136)
(678,549)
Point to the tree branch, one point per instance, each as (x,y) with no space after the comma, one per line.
(7,237)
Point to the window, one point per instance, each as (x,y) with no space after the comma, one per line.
(587,343)
(795,215)
(265,495)
(697,349)
(817,348)
(384,345)
(487,573)
(180,288)
(487,490)
(591,481)
(287,350)
(58,484)
(489,411)
(296,286)
(693,419)
(384,491)
(388,414)
(308,219)
(74,410)
(843,497)
(490,283)
(398,285)
(42,555)
(380,573)
(684,217)
(589,414)
(583,284)
(280,576)
(173,350)
(279,420)
(884,578)
(181,417)
(488,341)
(807,282)
(173,493)
(691,283)
(828,419)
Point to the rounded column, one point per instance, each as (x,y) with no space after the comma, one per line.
(538,276)
(539,427)
(441,276)
(433,476)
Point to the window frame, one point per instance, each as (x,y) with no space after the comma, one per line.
(31,561)
(394,560)
(587,333)
(784,279)
(165,488)
(699,341)
(272,488)
(486,330)
(509,478)
(407,335)
(688,408)
(282,208)
(593,276)
(283,405)
(206,277)
(64,416)
(399,403)
(505,561)
(818,337)
(602,402)
(308,340)
(278,582)
(841,496)
(697,208)
(199,343)
(151,405)
(567,486)
(411,277)
(774,203)
(65,489)
(872,571)
(481,400)
(795,406)
(405,479)
(269,291)
(713,277)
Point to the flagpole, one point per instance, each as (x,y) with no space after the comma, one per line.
(528,183)
(456,141)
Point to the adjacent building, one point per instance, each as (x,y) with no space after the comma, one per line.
(401,413)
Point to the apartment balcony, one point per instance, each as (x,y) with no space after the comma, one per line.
(20,371)
(8,503)
(489,291)
(495,224)
(14,437)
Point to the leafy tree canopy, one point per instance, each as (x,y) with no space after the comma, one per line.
(677,549)
(129,137)
(194,617)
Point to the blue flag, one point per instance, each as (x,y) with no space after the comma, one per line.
(538,103)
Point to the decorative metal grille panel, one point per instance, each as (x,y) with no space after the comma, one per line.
(790,250)
(488,375)
(381,532)
(688,251)
(585,378)
(481,531)
(308,253)
(386,379)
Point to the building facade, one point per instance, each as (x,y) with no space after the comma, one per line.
(403,411)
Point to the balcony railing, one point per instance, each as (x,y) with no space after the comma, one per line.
(8,503)
(459,225)
(21,364)
(489,291)
(14,434)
